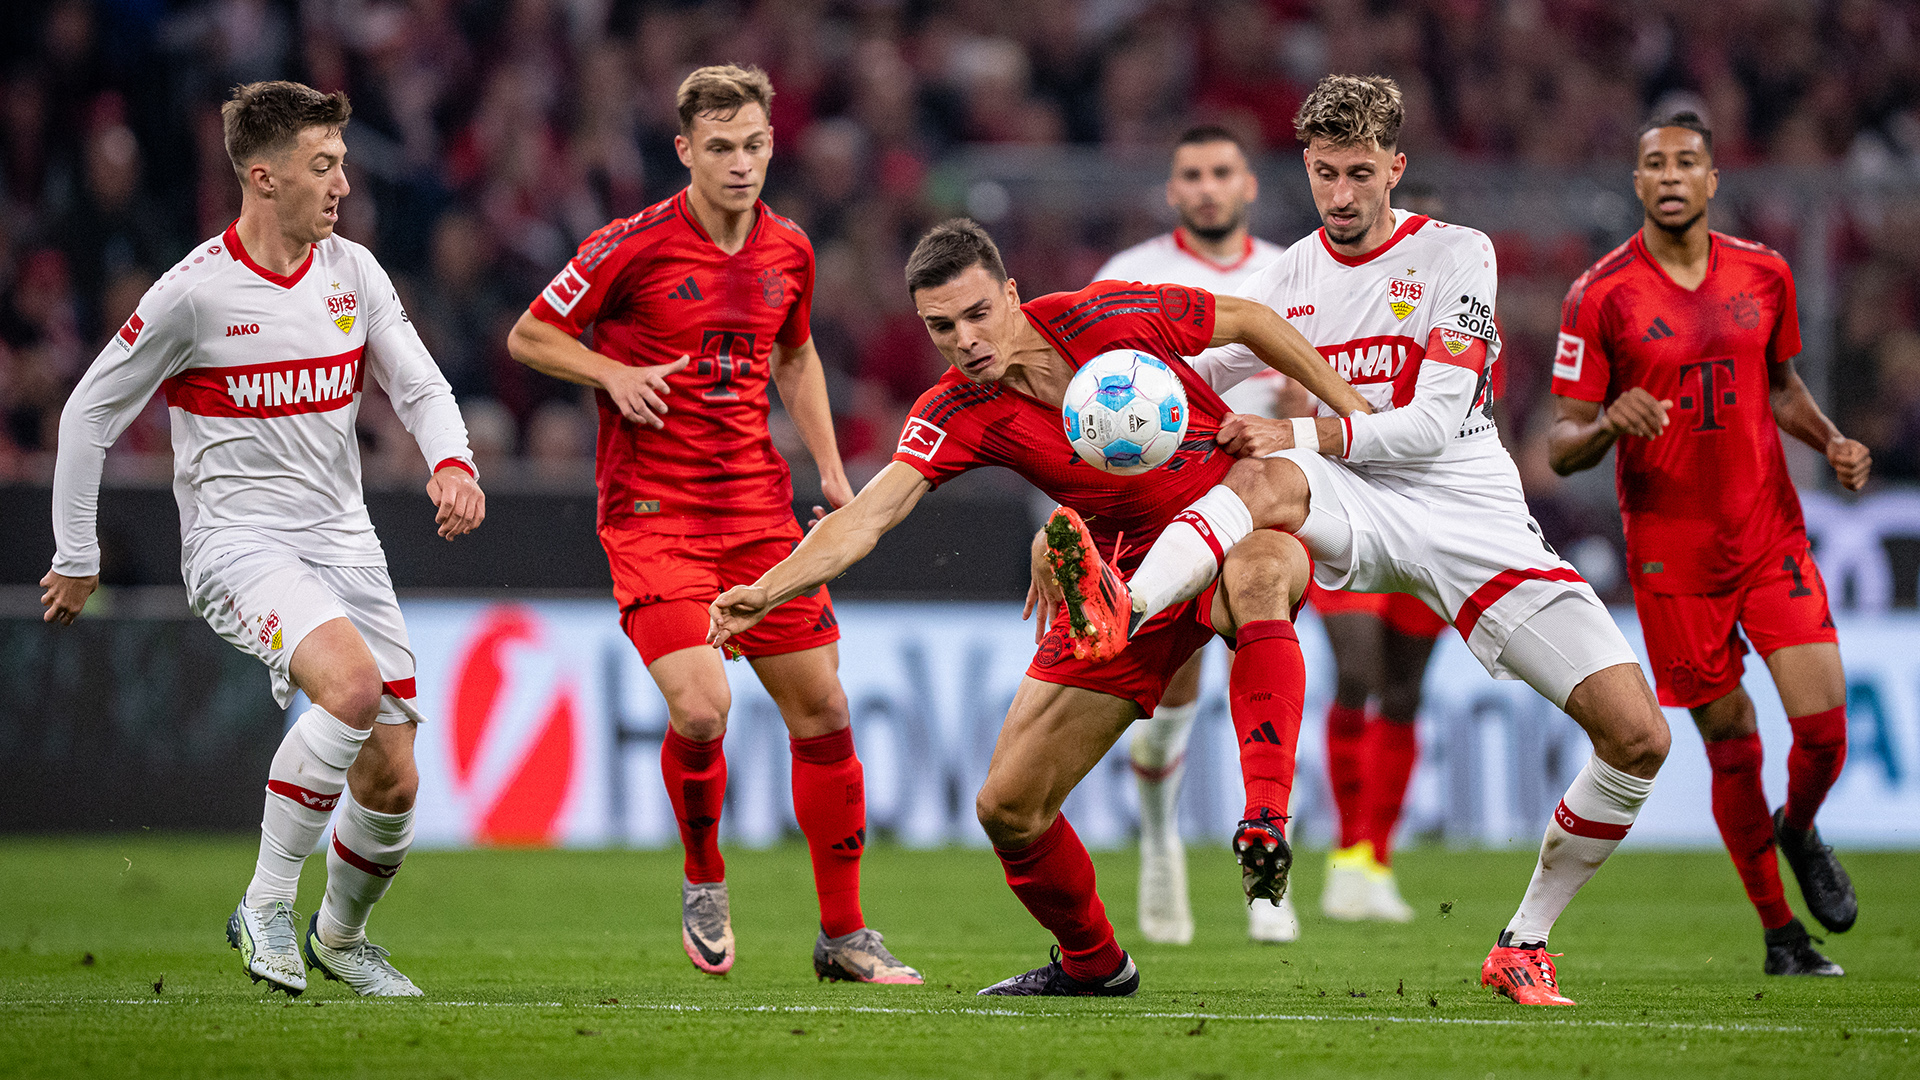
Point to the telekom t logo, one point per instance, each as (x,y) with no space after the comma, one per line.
(1713,392)
(726,360)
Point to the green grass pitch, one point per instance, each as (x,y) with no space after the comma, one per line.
(541,963)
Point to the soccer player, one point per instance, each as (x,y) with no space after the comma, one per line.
(1686,337)
(262,339)
(1420,498)
(1000,405)
(695,305)
(1210,186)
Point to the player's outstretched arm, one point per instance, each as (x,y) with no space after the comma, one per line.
(1583,432)
(1240,321)
(638,392)
(1799,416)
(803,390)
(841,539)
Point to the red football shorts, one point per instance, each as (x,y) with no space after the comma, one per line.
(1691,638)
(1403,614)
(1142,670)
(664,584)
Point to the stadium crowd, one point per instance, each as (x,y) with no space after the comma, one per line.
(490,136)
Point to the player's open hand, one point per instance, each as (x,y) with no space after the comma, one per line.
(1636,412)
(1043,592)
(1254,436)
(462,506)
(640,392)
(737,611)
(1851,462)
(65,596)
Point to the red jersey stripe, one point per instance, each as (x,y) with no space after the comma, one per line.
(1503,583)
(282,388)
(1407,228)
(400,688)
(286,281)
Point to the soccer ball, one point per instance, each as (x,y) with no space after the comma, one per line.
(1125,412)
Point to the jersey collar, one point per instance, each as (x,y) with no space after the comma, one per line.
(1246,252)
(1408,227)
(1639,243)
(682,203)
(286,281)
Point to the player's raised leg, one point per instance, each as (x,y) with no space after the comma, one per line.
(1813,689)
(1262,579)
(309,770)
(372,832)
(1573,654)
(1052,736)
(1157,751)
(830,803)
(694,767)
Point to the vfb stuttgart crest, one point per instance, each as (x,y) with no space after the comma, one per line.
(1403,295)
(342,308)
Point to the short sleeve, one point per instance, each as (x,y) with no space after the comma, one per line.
(940,440)
(1187,314)
(578,293)
(798,327)
(1785,344)
(1581,368)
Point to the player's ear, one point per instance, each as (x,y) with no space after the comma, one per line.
(1013,291)
(1396,170)
(683,150)
(1713,181)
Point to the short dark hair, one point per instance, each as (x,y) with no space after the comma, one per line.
(722,91)
(948,250)
(1201,134)
(265,119)
(1685,118)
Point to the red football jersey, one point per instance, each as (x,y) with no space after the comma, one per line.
(1710,496)
(960,424)
(654,288)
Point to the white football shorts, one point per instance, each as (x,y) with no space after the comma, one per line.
(266,600)
(1479,561)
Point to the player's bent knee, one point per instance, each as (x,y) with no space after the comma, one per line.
(1263,575)
(1008,824)
(354,698)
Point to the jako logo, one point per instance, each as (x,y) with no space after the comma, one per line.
(243,329)
(1296,312)
(525,808)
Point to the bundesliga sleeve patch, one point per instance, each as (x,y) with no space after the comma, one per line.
(565,290)
(1568,356)
(921,439)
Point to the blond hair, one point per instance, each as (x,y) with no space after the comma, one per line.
(721,91)
(1352,110)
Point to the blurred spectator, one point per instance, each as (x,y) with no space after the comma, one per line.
(560,443)
(114,227)
(490,433)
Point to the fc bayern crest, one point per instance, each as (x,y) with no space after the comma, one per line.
(773,288)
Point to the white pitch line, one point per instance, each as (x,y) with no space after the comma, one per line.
(1769,1029)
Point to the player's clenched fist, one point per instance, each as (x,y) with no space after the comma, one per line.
(736,612)
(1636,412)
(1850,460)
(639,392)
(1254,436)
(461,505)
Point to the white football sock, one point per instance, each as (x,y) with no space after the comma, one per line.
(1189,552)
(305,780)
(1589,823)
(1159,750)
(366,852)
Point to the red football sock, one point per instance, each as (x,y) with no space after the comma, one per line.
(1819,750)
(696,776)
(1391,750)
(830,802)
(1264,693)
(1054,877)
(1346,732)
(1740,809)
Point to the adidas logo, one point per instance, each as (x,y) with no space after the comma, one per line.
(1657,332)
(687,291)
(854,842)
(1264,733)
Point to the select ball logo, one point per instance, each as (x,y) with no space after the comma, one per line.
(1125,412)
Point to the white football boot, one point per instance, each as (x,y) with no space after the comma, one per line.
(1273,922)
(1384,903)
(363,966)
(1165,916)
(1347,895)
(269,944)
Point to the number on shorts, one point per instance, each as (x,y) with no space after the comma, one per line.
(1792,566)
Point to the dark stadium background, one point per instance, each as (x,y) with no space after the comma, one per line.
(489,136)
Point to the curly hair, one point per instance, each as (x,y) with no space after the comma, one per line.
(1352,110)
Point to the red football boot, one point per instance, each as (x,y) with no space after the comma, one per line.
(1525,975)
(1097,603)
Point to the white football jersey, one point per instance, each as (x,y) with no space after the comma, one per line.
(262,375)
(1374,318)
(1167,260)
